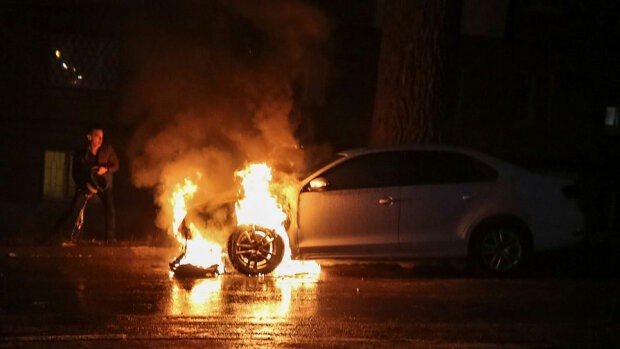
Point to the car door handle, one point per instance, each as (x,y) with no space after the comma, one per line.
(386,201)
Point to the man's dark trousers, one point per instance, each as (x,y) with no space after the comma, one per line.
(108,207)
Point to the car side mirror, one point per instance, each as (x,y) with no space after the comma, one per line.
(318,184)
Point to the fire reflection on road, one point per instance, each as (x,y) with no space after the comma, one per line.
(264,299)
(195,297)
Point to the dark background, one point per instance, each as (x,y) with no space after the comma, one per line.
(534,81)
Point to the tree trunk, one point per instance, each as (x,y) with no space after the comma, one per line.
(417,50)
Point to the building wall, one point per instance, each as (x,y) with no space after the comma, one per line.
(43,110)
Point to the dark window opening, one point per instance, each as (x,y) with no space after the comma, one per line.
(442,167)
(366,171)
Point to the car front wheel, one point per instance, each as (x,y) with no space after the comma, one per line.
(254,250)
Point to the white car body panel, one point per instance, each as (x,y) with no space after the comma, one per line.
(433,217)
(441,222)
(361,220)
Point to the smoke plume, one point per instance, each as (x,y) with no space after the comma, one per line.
(211,88)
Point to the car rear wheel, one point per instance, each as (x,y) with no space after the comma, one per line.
(254,250)
(499,249)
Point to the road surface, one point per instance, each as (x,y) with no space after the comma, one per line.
(96,296)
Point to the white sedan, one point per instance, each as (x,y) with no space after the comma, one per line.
(435,202)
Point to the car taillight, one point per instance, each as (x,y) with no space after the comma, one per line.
(570,192)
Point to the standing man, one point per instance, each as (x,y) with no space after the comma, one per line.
(93,168)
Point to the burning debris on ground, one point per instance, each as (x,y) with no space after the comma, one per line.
(192,271)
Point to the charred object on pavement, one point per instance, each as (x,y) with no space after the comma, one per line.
(192,271)
(186,270)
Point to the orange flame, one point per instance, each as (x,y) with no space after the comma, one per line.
(199,251)
(258,206)
(178,202)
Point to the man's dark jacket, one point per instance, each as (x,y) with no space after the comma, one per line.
(84,161)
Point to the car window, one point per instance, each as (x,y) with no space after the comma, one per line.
(366,171)
(442,167)
(315,166)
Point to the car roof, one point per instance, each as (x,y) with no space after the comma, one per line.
(370,150)
(500,165)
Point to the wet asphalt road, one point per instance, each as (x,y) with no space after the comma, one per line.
(92,296)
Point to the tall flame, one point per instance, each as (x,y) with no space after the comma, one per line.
(179,209)
(198,250)
(260,207)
